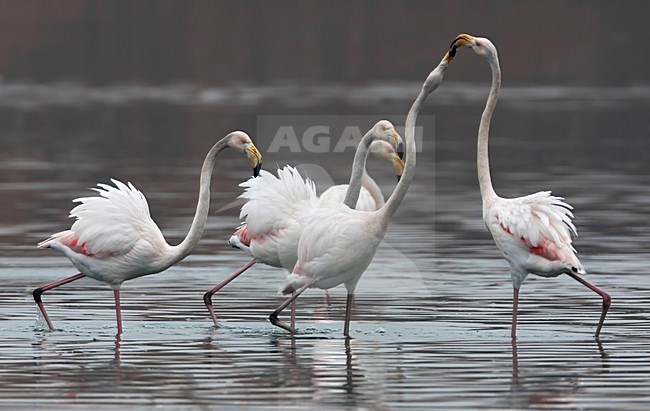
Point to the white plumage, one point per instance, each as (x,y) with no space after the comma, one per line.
(115,221)
(272,213)
(113,238)
(538,215)
(534,234)
(273,203)
(336,246)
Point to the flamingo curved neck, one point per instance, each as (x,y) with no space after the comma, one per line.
(183,249)
(373,189)
(358,169)
(432,82)
(482,158)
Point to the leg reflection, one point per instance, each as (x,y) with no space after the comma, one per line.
(116,356)
(349,386)
(604,357)
(515,362)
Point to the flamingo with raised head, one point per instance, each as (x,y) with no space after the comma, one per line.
(276,206)
(114,238)
(533,232)
(338,243)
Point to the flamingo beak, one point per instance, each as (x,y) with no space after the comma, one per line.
(400,150)
(398,165)
(461,41)
(395,138)
(254,156)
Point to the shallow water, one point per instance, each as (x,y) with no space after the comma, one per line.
(432,318)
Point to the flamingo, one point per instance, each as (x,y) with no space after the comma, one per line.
(114,238)
(275,205)
(338,243)
(532,232)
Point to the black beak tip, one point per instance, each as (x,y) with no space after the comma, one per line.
(256,170)
(399,178)
(400,151)
(453,43)
(452,51)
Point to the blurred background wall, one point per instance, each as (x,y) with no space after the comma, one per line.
(218,42)
(140,89)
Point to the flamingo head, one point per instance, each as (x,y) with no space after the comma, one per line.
(480,45)
(385,131)
(386,151)
(242,142)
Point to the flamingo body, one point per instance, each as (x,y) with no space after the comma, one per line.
(273,210)
(534,235)
(114,238)
(336,247)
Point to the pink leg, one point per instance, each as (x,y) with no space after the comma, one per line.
(327,298)
(607,300)
(207,297)
(39,291)
(348,314)
(515,307)
(273,318)
(118,311)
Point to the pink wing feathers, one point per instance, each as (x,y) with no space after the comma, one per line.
(543,223)
(110,224)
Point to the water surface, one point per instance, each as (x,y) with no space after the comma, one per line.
(432,318)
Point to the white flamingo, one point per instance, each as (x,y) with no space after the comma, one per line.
(276,206)
(338,243)
(533,232)
(114,238)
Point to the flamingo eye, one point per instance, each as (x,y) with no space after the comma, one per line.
(575,270)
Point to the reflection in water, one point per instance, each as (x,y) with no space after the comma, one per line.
(118,340)
(328,369)
(196,365)
(336,373)
(559,383)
